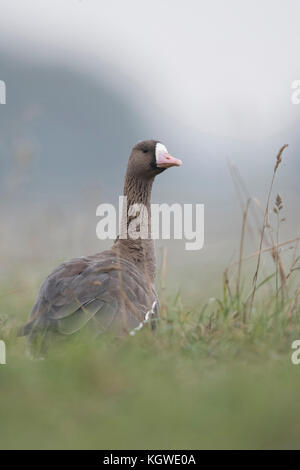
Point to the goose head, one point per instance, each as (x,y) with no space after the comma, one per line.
(150,158)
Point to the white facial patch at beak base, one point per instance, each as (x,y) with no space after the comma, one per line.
(159,150)
(163,158)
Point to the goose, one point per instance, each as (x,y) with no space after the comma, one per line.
(113,289)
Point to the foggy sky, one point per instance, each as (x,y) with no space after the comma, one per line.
(218,67)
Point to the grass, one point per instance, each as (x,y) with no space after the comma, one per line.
(191,385)
(218,375)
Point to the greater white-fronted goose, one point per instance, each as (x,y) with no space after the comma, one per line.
(115,288)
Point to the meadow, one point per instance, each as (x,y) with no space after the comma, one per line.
(214,374)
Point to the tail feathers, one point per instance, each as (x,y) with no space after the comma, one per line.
(36,331)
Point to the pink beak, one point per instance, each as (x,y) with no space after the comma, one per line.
(165,160)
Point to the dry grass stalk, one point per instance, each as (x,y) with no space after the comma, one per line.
(265,224)
(269,240)
(163,283)
(244,196)
(238,282)
(266,250)
(295,259)
(278,206)
(226,283)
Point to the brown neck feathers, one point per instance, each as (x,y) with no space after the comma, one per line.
(135,242)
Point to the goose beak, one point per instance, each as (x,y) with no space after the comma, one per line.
(165,160)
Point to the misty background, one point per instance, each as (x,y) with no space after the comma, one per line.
(86,80)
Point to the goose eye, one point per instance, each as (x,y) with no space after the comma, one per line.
(145,151)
